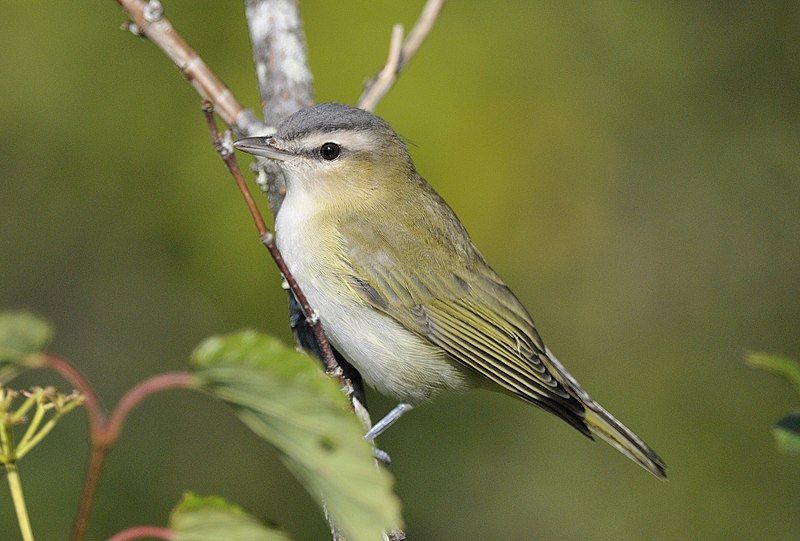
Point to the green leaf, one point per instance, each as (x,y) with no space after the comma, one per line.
(21,334)
(211,518)
(284,398)
(777,364)
(787,433)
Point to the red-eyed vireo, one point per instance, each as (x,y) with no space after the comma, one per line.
(399,287)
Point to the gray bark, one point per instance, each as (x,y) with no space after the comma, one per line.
(285,82)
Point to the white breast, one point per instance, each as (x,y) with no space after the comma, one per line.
(389,357)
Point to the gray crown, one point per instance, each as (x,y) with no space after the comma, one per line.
(331,117)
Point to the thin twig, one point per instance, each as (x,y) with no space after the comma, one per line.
(285,84)
(225,151)
(377,87)
(141,532)
(385,78)
(420,31)
(268,240)
(149,21)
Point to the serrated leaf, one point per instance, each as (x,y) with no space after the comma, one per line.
(21,334)
(211,518)
(777,364)
(284,398)
(787,433)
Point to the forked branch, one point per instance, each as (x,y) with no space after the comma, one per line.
(104,430)
(399,56)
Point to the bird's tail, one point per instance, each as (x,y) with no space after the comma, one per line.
(602,424)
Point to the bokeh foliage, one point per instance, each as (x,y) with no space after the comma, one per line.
(787,429)
(284,398)
(21,335)
(632,170)
(210,518)
(278,392)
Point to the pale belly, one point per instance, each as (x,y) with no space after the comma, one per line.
(391,359)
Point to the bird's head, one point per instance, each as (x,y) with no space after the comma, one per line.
(334,149)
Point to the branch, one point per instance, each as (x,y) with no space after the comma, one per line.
(285,83)
(104,437)
(268,240)
(377,87)
(279,55)
(285,86)
(383,81)
(148,20)
(97,457)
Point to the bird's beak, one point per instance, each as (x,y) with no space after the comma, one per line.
(262,146)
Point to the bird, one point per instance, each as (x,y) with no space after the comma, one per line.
(400,289)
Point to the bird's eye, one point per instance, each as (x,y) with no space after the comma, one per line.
(330,151)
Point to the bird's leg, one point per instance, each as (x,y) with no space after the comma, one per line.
(390,418)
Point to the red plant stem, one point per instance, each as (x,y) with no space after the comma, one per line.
(230,160)
(93,408)
(97,457)
(104,438)
(268,240)
(153,385)
(138,532)
(331,365)
(104,430)
(266,236)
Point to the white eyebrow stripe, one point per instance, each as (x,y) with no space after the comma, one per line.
(357,140)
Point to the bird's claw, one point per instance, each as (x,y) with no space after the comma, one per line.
(382,456)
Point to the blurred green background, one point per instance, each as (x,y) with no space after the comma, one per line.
(632,171)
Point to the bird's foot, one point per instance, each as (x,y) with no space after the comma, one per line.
(382,456)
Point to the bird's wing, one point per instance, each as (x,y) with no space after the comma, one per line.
(441,288)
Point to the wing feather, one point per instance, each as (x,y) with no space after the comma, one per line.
(461,306)
(408,256)
(451,333)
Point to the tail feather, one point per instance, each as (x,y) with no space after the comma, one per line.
(602,424)
(605,426)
